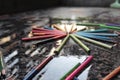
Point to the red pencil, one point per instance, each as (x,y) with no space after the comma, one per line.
(38,37)
(36,70)
(49,39)
(40,34)
(80,68)
(49,32)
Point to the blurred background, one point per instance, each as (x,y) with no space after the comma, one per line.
(12,6)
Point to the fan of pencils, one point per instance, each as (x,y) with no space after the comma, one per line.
(77,33)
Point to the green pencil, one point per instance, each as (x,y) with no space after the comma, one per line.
(99,25)
(109,27)
(70,71)
(59,48)
(88,24)
(80,43)
(93,41)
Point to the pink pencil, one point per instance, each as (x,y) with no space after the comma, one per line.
(49,32)
(80,68)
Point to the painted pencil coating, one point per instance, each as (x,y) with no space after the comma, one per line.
(40,34)
(88,24)
(55,32)
(37,37)
(109,27)
(100,25)
(70,71)
(62,44)
(105,34)
(49,39)
(96,37)
(80,43)
(112,74)
(57,27)
(94,41)
(36,70)
(80,68)
(93,36)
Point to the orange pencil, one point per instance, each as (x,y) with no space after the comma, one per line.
(112,74)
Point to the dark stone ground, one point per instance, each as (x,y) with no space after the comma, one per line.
(20,24)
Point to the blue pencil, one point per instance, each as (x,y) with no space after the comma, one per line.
(105,34)
(93,36)
(30,75)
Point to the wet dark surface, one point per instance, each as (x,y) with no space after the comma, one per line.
(19,25)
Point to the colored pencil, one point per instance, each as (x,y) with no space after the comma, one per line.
(97,37)
(58,49)
(36,70)
(38,37)
(80,43)
(112,74)
(70,71)
(40,34)
(57,27)
(50,39)
(100,25)
(94,41)
(109,27)
(88,24)
(80,68)
(48,33)
(54,32)
(105,34)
